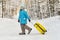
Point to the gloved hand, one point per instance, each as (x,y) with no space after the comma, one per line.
(18,21)
(29,20)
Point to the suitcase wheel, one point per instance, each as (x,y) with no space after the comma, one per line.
(45,30)
(43,33)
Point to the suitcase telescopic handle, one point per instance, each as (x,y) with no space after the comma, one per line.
(32,23)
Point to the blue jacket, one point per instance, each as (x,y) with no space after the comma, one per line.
(23,16)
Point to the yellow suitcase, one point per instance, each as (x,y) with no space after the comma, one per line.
(40,28)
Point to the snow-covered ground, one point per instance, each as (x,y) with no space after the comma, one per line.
(10,29)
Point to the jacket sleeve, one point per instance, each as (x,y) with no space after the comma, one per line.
(27,16)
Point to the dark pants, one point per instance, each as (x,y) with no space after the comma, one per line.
(23,27)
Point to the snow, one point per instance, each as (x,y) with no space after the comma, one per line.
(10,29)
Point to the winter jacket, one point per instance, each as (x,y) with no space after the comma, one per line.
(23,16)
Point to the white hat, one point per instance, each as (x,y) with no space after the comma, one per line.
(22,5)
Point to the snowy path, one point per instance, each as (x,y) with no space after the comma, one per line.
(9,29)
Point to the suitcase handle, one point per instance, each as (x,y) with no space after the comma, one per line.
(32,23)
